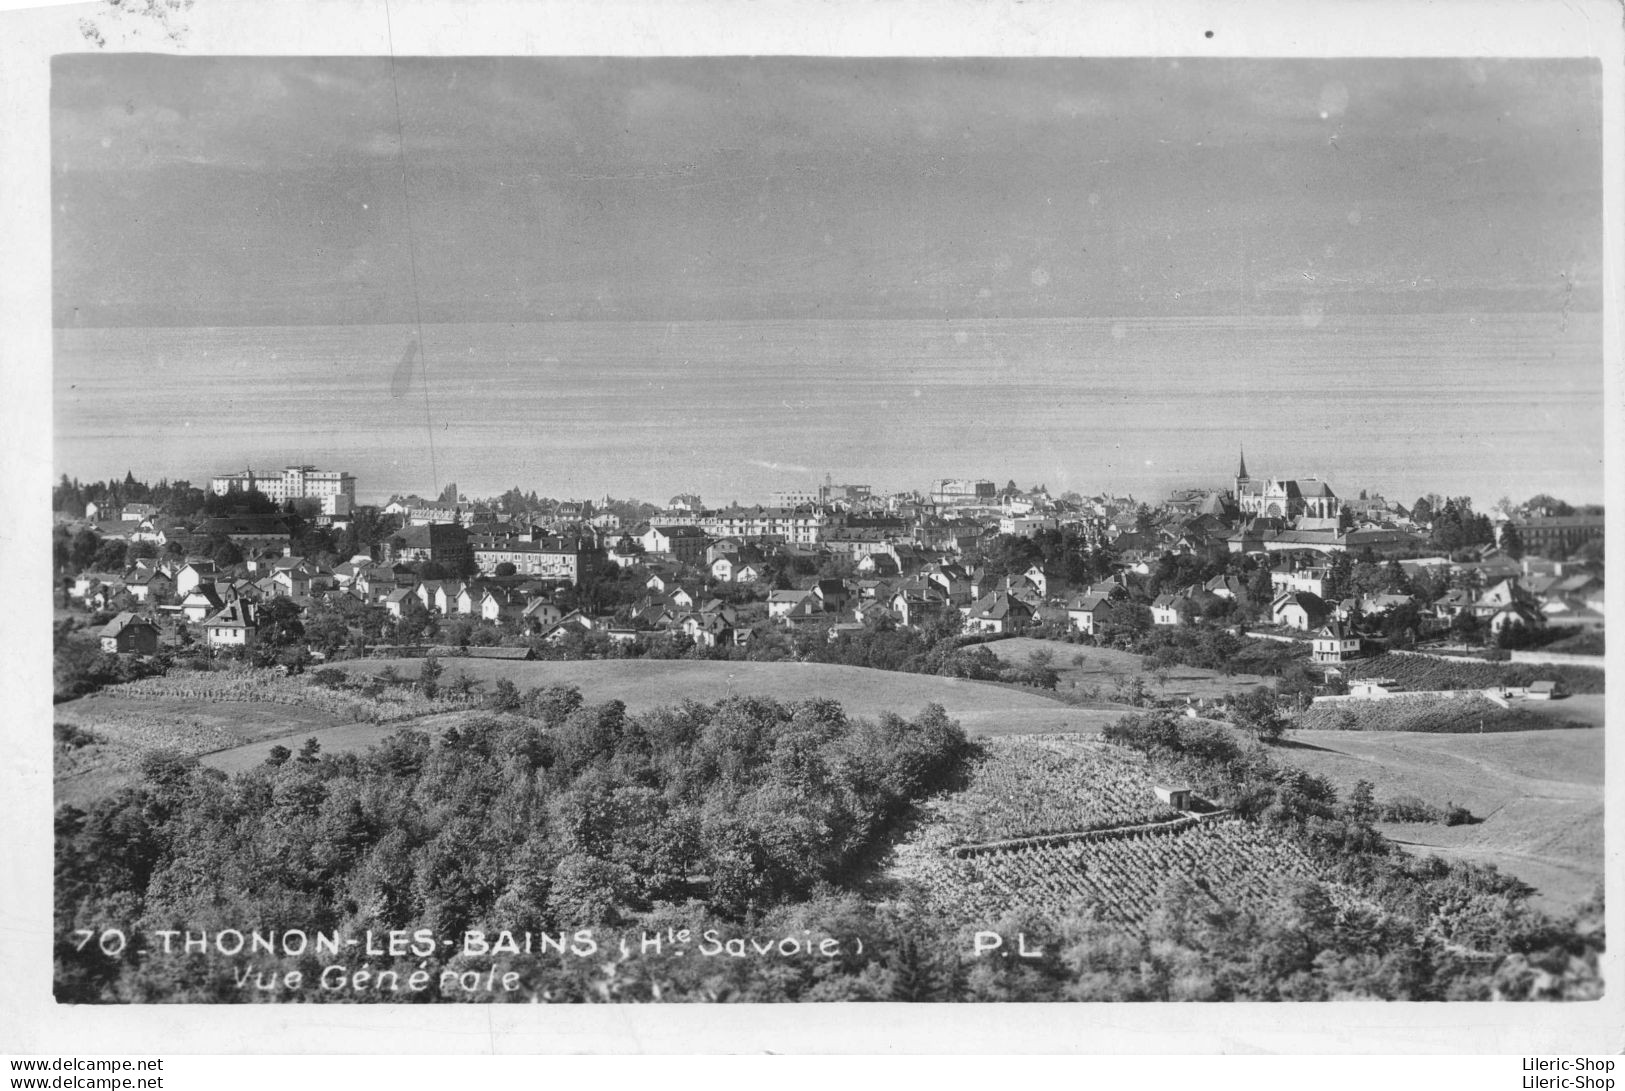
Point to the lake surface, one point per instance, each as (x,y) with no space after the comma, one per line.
(1483,405)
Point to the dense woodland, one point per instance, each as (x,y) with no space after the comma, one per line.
(560,818)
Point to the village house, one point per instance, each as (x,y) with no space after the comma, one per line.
(201,602)
(793,606)
(235,626)
(1299,610)
(395,601)
(129,634)
(1169,609)
(1334,642)
(540,614)
(915,602)
(707,630)
(998,612)
(192,573)
(148,584)
(1088,612)
(501,604)
(833,595)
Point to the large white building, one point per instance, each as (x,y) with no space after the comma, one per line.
(334,488)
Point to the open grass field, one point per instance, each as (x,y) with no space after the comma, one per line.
(982,708)
(1539,794)
(127,727)
(1081,667)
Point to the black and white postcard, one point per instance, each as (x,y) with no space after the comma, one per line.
(740,509)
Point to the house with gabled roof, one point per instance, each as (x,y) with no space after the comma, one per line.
(832,594)
(1299,610)
(235,626)
(1169,609)
(793,606)
(1335,642)
(882,565)
(148,584)
(998,612)
(1088,612)
(707,630)
(103,594)
(201,602)
(1226,586)
(129,634)
(86,582)
(916,601)
(874,613)
(501,604)
(395,601)
(541,613)
(573,622)
(192,573)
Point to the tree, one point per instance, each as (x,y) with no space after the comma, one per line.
(506,568)
(279,623)
(505,696)
(414,620)
(1512,541)
(110,555)
(224,552)
(82,551)
(1259,712)
(1543,504)
(1361,807)
(429,676)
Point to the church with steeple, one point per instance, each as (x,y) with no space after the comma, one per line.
(1309,501)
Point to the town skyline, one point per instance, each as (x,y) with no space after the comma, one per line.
(268,468)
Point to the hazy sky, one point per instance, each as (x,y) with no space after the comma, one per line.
(222,191)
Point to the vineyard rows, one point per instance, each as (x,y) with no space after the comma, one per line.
(1419,712)
(1231,862)
(1420,672)
(1050,840)
(1030,785)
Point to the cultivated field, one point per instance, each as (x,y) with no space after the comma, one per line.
(127,727)
(1459,714)
(1224,863)
(952,855)
(1539,793)
(1082,667)
(1026,785)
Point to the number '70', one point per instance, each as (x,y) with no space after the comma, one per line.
(112,940)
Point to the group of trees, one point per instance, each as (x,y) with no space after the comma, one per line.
(178,498)
(1068,554)
(1439,930)
(583,816)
